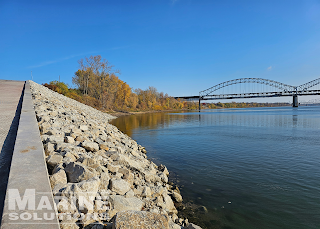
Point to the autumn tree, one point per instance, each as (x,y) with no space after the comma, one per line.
(96,78)
(98,85)
(59,87)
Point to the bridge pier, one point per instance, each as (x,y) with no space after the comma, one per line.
(199,105)
(295,102)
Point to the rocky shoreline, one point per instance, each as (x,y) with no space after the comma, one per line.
(100,177)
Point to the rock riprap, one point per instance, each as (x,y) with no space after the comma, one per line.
(100,176)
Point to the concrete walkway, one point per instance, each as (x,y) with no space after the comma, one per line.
(10,105)
(28,200)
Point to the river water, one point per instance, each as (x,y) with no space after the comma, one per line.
(251,167)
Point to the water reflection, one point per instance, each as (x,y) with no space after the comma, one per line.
(295,120)
(254,117)
(148,121)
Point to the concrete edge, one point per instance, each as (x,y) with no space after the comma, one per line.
(29,200)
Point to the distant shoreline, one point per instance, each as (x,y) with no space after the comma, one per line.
(125,113)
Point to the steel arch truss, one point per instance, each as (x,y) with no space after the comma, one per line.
(272,83)
(306,86)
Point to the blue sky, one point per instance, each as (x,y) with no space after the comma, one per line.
(178,46)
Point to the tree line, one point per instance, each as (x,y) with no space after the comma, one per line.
(98,85)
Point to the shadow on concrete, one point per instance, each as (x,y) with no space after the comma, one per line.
(6,154)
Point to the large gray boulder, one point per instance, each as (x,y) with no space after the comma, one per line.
(120,203)
(77,172)
(53,160)
(157,190)
(83,127)
(90,186)
(104,178)
(177,197)
(83,192)
(48,148)
(151,178)
(90,146)
(169,205)
(89,189)
(146,192)
(140,220)
(69,139)
(119,186)
(59,177)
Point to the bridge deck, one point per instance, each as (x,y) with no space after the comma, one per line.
(250,95)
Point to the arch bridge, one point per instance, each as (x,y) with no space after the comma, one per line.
(276,89)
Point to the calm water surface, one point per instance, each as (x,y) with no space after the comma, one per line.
(265,161)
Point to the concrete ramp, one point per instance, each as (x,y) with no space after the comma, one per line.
(11,94)
(28,200)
